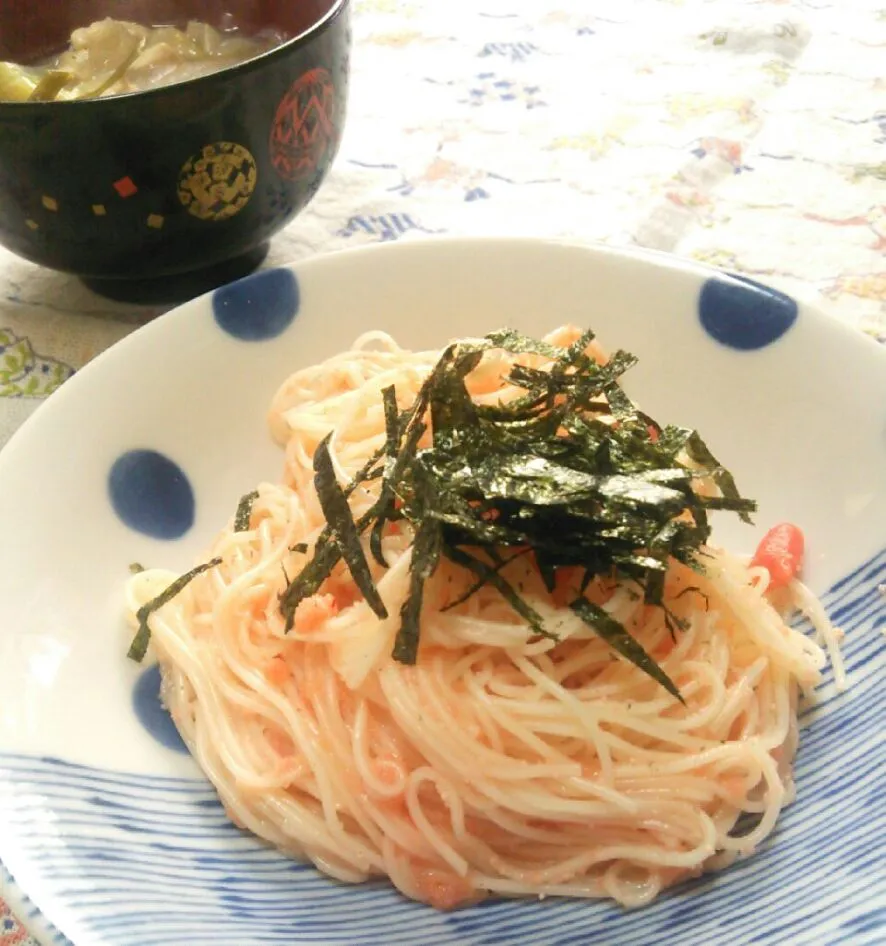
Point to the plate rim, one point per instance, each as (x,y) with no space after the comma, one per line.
(658,258)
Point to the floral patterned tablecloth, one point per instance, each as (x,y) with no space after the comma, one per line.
(750,134)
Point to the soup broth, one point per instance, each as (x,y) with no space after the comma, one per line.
(115,57)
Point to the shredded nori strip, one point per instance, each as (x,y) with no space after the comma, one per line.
(693,589)
(136,568)
(327,554)
(386,499)
(478,584)
(425,556)
(618,639)
(244,511)
(345,534)
(699,452)
(568,470)
(491,576)
(139,646)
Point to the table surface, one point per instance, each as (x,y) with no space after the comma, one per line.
(749,134)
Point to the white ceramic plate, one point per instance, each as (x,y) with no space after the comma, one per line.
(114,836)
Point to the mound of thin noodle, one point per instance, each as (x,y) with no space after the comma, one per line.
(500,763)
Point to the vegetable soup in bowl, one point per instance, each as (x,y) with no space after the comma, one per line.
(148,139)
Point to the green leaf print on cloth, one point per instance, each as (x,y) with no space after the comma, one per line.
(24,373)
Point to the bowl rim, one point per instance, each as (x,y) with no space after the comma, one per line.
(335,10)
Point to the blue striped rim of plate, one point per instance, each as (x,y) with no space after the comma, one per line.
(143,860)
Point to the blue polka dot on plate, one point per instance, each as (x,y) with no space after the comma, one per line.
(151,494)
(151,712)
(259,307)
(744,314)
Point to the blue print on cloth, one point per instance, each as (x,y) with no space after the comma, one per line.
(878,120)
(476,193)
(488,88)
(385,227)
(516,52)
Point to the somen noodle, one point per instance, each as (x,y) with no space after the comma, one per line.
(502,761)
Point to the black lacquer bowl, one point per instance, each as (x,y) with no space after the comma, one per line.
(181,179)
